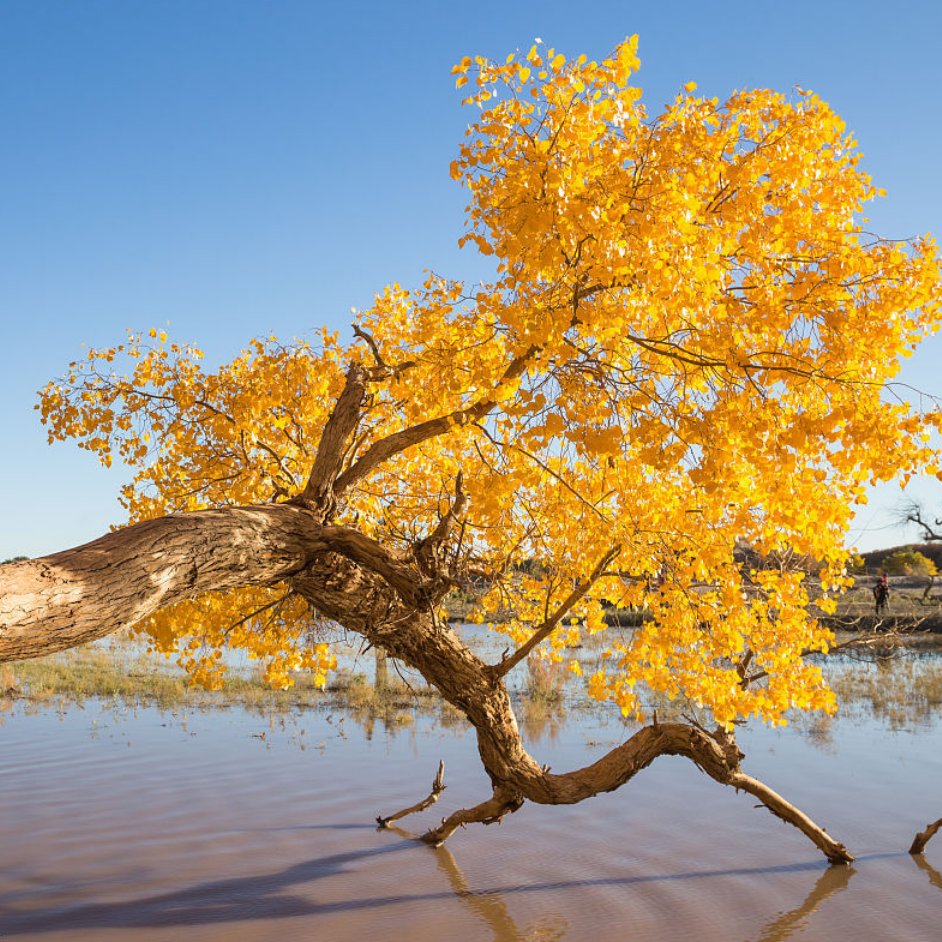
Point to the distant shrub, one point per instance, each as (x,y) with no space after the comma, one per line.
(909,563)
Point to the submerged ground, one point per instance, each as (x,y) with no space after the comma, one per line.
(255,821)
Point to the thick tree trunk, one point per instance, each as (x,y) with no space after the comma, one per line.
(362,603)
(85,593)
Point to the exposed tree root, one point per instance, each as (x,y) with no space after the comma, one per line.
(923,837)
(438,786)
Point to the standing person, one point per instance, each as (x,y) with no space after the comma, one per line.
(881,594)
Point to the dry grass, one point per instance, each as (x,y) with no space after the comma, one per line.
(901,692)
(101,672)
(117,674)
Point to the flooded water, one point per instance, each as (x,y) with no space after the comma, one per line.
(141,825)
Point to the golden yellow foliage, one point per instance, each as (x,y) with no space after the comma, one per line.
(687,344)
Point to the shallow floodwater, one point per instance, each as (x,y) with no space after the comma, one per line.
(138,826)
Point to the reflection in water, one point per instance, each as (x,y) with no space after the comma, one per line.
(935,878)
(902,692)
(832,881)
(540,722)
(265,898)
(490,906)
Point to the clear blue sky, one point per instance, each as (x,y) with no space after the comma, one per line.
(233,168)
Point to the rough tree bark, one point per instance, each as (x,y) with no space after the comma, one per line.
(388,597)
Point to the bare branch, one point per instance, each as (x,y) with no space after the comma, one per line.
(438,786)
(358,331)
(546,628)
(381,370)
(835,852)
(912,513)
(923,837)
(492,811)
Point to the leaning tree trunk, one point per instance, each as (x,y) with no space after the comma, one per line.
(78,595)
(361,602)
(85,593)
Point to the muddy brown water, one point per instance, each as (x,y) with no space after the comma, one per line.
(143,826)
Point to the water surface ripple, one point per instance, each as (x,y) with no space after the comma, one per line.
(142,826)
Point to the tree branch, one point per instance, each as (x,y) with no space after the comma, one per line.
(358,331)
(545,467)
(78,595)
(923,837)
(438,786)
(877,639)
(492,811)
(359,548)
(546,628)
(835,852)
(912,513)
(381,370)
(385,448)
(426,551)
(320,488)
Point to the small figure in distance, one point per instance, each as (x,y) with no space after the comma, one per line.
(881,594)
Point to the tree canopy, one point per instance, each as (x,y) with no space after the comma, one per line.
(689,340)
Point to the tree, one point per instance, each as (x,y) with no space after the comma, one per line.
(912,512)
(689,340)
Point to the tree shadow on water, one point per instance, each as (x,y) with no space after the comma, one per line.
(252,897)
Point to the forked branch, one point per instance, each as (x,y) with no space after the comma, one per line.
(368,553)
(427,550)
(385,448)
(382,370)
(912,513)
